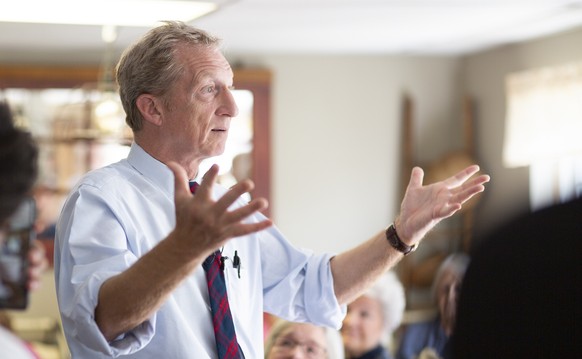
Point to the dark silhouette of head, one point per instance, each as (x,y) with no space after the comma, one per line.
(18,164)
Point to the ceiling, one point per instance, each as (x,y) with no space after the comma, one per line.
(423,27)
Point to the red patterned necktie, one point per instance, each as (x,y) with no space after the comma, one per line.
(224,333)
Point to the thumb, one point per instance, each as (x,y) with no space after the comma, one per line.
(180,180)
(416,178)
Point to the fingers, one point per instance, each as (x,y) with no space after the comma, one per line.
(180,180)
(456,202)
(482,179)
(34,278)
(449,209)
(38,264)
(201,213)
(248,228)
(235,217)
(467,193)
(473,186)
(229,197)
(255,205)
(463,193)
(461,176)
(416,178)
(233,194)
(36,255)
(208,181)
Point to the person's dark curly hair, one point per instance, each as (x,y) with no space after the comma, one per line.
(18,164)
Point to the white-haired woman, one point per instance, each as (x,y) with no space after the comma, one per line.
(288,340)
(372,318)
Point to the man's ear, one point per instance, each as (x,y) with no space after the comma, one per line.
(150,108)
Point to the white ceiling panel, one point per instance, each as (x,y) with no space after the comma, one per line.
(441,27)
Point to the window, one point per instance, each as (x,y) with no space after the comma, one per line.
(543,128)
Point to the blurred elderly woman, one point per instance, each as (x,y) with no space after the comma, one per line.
(435,334)
(372,318)
(288,340)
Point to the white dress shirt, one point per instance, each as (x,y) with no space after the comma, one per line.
(118,213)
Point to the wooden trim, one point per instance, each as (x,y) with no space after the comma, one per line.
(36,77)
(259,83)
(22,76)
(253,76)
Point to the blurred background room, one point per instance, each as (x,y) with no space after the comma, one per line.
(338,99)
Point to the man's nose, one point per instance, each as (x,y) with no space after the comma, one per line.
(228,105)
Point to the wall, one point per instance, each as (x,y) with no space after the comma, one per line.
(336,139)
(483,77)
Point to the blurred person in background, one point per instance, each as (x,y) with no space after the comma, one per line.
(289,340)
(18,172)
(372,318)
(435,334)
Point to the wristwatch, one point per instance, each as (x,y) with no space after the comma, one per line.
(397,243)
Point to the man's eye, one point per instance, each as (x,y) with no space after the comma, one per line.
(208,89)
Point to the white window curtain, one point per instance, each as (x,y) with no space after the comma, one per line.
(544,130)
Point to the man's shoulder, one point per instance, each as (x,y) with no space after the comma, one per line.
(114,175)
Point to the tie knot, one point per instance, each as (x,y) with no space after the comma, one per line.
(193,186)
(209,261)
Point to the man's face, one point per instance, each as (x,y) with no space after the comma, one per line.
(200,105)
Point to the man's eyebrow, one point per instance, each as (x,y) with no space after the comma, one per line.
(200,75)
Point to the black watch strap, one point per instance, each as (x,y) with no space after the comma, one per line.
(397,243)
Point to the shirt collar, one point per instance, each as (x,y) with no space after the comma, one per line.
(152,169)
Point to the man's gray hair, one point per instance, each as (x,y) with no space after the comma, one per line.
(151,65)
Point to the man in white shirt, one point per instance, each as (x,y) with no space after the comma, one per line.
(131,238)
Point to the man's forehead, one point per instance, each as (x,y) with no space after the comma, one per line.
(210,67)
(201,56)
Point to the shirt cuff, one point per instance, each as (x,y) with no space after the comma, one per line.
(86,330)
(324,309)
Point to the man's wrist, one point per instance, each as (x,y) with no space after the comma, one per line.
(394,240)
